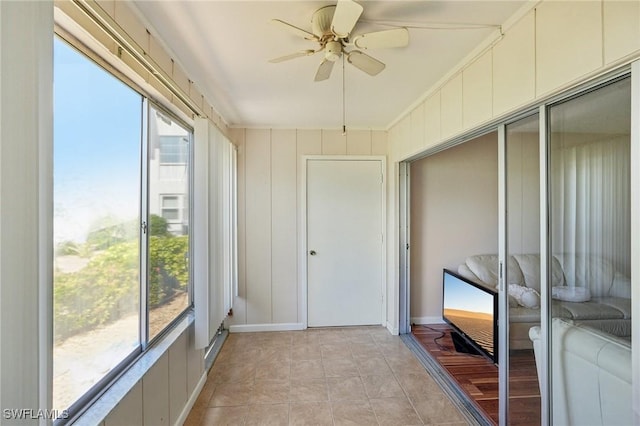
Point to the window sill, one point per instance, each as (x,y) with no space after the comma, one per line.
(105,403)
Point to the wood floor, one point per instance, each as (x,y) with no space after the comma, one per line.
(477,376)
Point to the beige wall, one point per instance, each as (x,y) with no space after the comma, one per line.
(454,214)
(269,167)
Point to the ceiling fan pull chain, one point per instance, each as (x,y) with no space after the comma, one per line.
(344,114)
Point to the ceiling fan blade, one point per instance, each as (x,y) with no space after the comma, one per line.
(295,30)
(398,37)
(365,62)
(345,17)
(324,70)
(292,56)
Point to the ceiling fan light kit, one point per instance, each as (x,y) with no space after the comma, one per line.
(332,51)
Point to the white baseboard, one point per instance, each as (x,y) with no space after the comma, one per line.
(393,330)
(426,320)
(192,400)
(249,328)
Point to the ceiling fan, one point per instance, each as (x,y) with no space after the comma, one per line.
(331,29)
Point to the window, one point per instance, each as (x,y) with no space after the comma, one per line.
(169,236)
(173,149)
(104,230)
(170,210)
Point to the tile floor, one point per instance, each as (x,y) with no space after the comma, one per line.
(335,376)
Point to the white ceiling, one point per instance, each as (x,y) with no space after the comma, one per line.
(226,46)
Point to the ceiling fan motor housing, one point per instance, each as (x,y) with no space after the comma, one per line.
(332,51)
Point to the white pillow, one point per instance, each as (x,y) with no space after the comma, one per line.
(525,296)
(571,294)
(485,267)
(530,266)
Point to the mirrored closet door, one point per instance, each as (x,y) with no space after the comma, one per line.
(589,262)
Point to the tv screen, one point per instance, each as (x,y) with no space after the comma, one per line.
(472,311)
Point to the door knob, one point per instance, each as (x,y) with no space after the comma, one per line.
(312,252)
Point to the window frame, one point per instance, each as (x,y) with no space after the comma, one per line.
(154,104)
(185,211)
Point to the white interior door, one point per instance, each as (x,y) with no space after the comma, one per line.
(344,242)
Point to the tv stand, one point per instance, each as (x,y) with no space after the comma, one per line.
(462,345)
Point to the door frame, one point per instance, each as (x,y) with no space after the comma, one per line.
(302,234)
(404,248)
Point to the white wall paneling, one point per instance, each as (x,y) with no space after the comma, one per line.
(258,225)
(568,42)
(417,121)
(514,66)
(477,89)
(26,182)
(404,135)
(334,142)
(621,21)
(378,143)
(178,377)
(269,202)
(283,226)
(161,390)
(128,412)
(451,106)
(432,120)
(359,142)
(552,47)
(195,365)
(155,393)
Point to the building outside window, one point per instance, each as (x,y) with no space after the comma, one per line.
(170,208)
(173,150)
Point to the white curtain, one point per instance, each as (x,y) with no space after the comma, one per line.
(590,218)
(214,229)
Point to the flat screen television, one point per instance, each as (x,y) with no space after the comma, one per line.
(472,310)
